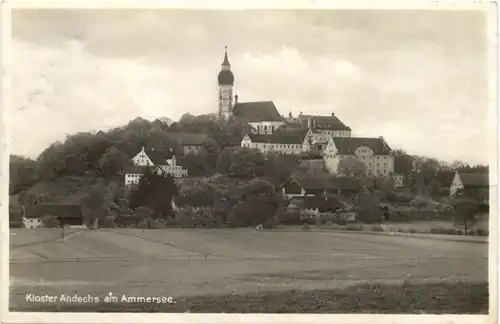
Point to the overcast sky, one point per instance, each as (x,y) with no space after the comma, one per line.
(418,78)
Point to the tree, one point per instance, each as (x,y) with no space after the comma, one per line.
(352,167)
(154,191)
(224,159)
(247,163)
(465,210)
(384,183)
(254,188)
(96,202)
(403,162)
(279,168)
(49,221)
(113,162)
(254,210)
(22,174)
(368,209)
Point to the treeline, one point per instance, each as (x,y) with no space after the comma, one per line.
(104,154)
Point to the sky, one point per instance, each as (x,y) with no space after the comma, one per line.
(417,78)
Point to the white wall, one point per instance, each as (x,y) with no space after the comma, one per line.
(225,97)
(142,159)
(32,222)
(456,184)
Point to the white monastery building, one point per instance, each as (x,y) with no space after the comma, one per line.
(272,132)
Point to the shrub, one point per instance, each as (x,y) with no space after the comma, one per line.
(412,230)
(306,227)
(354,227)
(481,232)
(341,222)
(377,228)
(460,232)
(434,230)
(289,218)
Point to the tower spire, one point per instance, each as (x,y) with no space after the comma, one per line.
(226,61)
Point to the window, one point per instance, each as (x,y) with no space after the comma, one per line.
(385,171)
(385,164)
(370,172)
(378,164)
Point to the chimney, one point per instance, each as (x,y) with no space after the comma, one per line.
(333,114)
(235,99)
(309,122)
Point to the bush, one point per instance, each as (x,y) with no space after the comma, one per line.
(377,228)
(412,230)
(306,227)
(354,227)
(481,232)
(341,222)
(289,218)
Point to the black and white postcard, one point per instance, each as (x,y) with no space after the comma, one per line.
(257,162)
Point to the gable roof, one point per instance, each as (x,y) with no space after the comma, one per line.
(159,157)
(281,136)
(474,179)
(324,122)
(348,145)
(326,182)
(188,138)
(257,111)
(64,211)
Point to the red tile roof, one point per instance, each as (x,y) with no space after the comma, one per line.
(257,111)
(63,211)
(323,122)
(348,145)
(470,180)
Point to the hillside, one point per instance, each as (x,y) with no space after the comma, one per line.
(63,190)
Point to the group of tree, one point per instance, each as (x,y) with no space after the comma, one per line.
(247,163)
(154,191)
(245,204)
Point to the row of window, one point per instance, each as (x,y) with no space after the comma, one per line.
(369,157)
(377,172)
(334,133)
(276,146)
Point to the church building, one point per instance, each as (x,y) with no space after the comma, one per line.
(272,132)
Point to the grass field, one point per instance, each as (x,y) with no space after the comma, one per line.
(196,263)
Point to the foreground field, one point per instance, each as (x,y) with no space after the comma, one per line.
(180,263)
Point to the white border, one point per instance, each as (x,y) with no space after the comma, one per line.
(13,317)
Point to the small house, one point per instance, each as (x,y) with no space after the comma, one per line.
(67,215)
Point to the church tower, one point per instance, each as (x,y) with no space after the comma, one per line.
(226,81)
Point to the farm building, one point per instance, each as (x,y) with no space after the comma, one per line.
(475,185)
(67,215)
(321,185)
(314,206)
